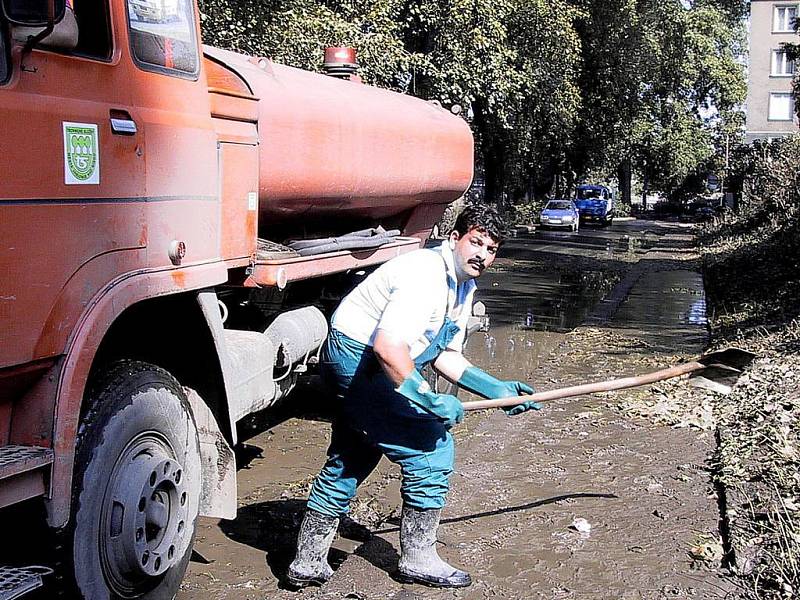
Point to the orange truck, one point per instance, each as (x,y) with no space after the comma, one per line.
(148,299)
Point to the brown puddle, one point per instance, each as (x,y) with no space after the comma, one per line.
(545,300)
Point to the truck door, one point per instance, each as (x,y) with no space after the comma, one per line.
(181,160)
(72,177)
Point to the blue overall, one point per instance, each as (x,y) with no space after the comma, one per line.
(374,420)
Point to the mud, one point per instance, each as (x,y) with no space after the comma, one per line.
(522,483)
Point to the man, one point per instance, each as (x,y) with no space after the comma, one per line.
(411,311)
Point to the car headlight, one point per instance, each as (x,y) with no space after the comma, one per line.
(545,218)
(568,218)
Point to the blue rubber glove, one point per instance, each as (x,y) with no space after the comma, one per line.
(446,407)
(480,382)
(513,411)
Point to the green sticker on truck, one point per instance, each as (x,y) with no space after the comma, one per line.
(81,154)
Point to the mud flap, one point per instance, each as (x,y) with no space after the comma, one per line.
(217,460)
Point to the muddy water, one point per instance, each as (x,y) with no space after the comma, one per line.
(529,307)
(528,297)
(668,308)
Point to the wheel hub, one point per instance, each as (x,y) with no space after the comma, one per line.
(144,518)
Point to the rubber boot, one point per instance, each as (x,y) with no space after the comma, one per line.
(419,560)
(310,566)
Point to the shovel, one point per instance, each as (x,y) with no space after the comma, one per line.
(716,371)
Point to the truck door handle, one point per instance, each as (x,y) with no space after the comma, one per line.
(122,123)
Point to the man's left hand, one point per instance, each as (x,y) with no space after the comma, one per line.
(507,389)
(480,382)
(517,388)
(512,411)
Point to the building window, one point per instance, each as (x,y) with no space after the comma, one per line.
(782,65)
(781,106)
(783,20)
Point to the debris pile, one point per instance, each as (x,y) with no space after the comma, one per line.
(752,275)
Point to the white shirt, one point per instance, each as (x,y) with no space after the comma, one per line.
(408,298)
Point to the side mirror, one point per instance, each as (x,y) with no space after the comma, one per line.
(33,13)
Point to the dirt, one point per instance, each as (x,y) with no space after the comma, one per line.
(634,465)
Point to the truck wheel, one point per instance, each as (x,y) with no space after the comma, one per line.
(136,486)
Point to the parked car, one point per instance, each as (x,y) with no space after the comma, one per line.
(560,213)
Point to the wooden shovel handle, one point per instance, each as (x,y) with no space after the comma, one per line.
(589,388)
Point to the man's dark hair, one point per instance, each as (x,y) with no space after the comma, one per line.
(484,218)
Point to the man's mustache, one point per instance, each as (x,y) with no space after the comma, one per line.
(478,262)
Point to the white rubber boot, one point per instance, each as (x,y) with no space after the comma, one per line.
(419,560)
(310,566)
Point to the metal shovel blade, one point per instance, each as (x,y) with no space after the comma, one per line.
(715,378)
(735,358)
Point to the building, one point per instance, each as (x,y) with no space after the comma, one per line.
(770,104)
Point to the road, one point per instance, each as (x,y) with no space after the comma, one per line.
(566,308)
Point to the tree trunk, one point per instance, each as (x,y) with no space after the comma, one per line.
(493,155)
(624,174)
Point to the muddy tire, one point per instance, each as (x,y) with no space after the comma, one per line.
(136,487)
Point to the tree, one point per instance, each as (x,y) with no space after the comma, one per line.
(658,78)
(699,88)
(615,50)
(510,63)
(556,89)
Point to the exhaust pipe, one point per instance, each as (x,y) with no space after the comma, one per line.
(297,334)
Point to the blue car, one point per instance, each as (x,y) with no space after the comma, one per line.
(560,213)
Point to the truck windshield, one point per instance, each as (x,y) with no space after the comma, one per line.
(163,35)
(588,194)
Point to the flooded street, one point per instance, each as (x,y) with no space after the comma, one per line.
(566,309)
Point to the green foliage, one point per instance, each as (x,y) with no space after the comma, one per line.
(526,213)
(752,275)
(678,79)
(771,174)
(555,88)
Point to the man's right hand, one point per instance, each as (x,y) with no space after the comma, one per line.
(448,408)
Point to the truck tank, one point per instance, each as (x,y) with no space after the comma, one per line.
(337,155)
